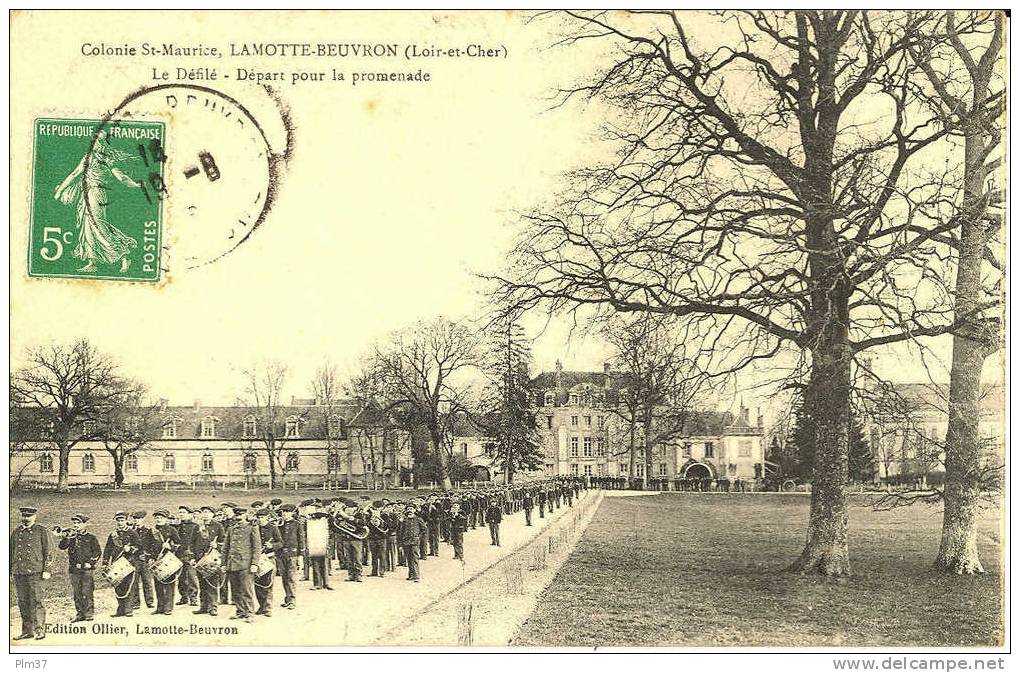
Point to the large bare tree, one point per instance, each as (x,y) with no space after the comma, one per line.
(262,400)
(418,369)
(962,60)
(327,390)
(773,180)
(76,388)
(130,427)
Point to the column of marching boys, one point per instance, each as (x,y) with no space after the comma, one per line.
(229,554)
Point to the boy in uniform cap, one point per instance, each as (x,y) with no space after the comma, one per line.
(187,582)
(458,525)
(494,516)
(83,554)
(306,509)
(208,535)
(31,558)
(271,544)
(241,550)
(409,533)
(165,541)
(123,541)
(143,576)
(292,538)
(227,512)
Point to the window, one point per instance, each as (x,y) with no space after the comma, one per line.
(50,428)
(88,463)
(550,398)
(573,399)
(573,420)
(587,470)
(46,462)
(587,447)
(744,448)
(687,449)
(131,462)
(250,428)
(548,422)
(335,427)
(88,427)
(601,420)
(573,469)
(709,450)
(573,447)
(600,446)
(208,427)
(640,470)
(662,470)
(170,429)
(600,469)
(464,448)
(293,427)
(251,461)
(623,468)
(333,461)
(169,462)
(207,462)
(292,461)
(587,421)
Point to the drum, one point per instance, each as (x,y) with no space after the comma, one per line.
(166,567)
(266,564)
(209,565)
(318,536)
(118,571)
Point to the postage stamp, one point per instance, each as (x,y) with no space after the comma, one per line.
(97,199)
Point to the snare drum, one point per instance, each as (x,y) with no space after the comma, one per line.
(209,565)
(166,567)
(118,571)
(266,564)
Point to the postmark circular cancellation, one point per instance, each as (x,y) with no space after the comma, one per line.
(214,173)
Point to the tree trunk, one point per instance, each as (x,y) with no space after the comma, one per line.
(958,551)
(118,470)
(648,452)
(64,460)
(827,400)
(444,470)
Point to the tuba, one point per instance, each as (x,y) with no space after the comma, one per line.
(346,526)
(377,525)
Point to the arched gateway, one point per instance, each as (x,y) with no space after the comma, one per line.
(697,471)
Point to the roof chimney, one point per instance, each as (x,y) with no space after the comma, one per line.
(559,374)
(198,404)
(761,420)
(744,413)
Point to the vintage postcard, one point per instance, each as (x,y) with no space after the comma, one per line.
(514,329)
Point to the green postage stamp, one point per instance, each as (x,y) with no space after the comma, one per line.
(97,199)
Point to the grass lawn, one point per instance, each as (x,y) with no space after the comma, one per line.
(55,509)
(706,570)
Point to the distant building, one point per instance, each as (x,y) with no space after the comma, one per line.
(584,433)
(345,442)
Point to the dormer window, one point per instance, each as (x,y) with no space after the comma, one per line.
(550,398)
(208,427)
(574,398)
(335,427)
(170,429)
(293,430)
(250,428)
(87,428)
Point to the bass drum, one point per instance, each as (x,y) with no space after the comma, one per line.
(166,567)
(318,536)
(118,571)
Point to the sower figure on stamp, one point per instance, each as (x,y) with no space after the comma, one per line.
(208,536)
(144,581)
(292,538)
(187,583)
(165,541)
(86,190)
(31,557)
(83,553)
(124,542)
(272,542)
(241,549)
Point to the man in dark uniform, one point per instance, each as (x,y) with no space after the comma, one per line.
(494,516)
(208,534)
(355,530)
(433,517)
(409,533)
(528,504)
(187,583)
(123,541)
(143,575)
(377,532)
(271,544)
(306,509)
(227,514)
(165,541)
(83,554)
(445,505)
(458,525)
(292,538)
(241,549)
(31,558)
(541,502)
(392,519)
